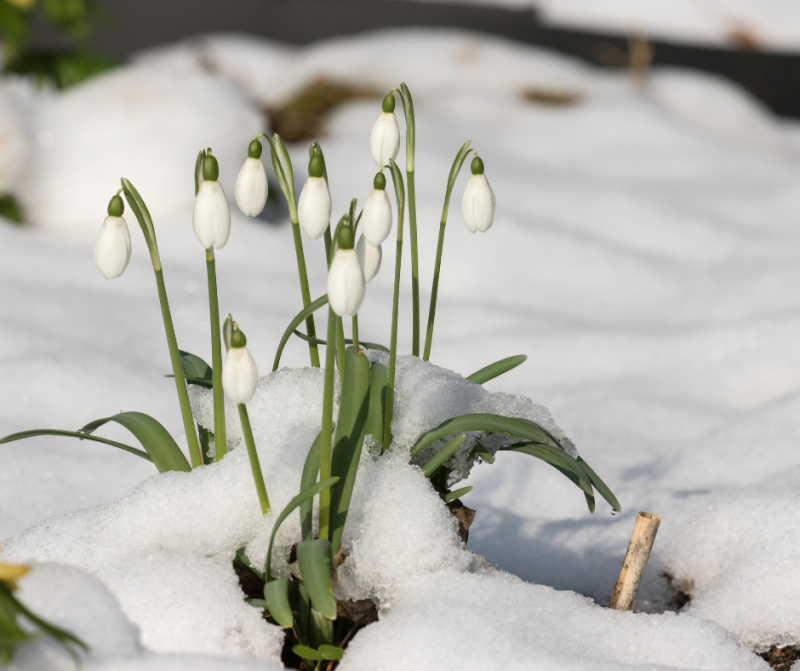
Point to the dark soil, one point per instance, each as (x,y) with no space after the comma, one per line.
(781,659)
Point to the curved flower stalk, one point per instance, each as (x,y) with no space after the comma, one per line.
(478,204)
(314,207)
(240,379)
(282,165)
(252,187)
(137,204)
(377,213)
(455,169)
(212,218)
(112,251)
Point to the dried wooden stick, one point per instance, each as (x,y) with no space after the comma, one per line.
(635,562)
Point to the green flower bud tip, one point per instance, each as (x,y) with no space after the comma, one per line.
(210,168)
(255,149)
(477,166)
(345,238)
(379,182)
(388,103)
(238,339)
(316,166)
(116,207)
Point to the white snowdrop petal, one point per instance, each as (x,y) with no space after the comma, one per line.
(239,375)
(345,283)
(376,221)
(384,141)
(483,203)
(211,217)
(112,250)
(314,207)
(252,187)
(369,256)
(468,207)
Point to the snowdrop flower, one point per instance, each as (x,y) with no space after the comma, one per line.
(251,184)
(112,251)
(377,217)
(478,203)
(239,374)
(345,276)
(314,206)
(384,142)
(211,217)
(369,257)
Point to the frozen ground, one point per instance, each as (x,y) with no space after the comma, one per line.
(644,255)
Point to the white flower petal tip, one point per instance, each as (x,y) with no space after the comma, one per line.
(376,222)
(345,283)
(112,251)
(384,141)
(314,207)
(239,375)
(369,256)
(252,187)
(478,204)
(211,217)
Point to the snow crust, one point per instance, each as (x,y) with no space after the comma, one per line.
(644,258)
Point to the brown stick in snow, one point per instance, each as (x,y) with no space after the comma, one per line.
(635,562)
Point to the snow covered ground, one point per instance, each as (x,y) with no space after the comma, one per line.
(644,255)
(766,24)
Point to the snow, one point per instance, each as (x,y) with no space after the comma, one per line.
(643,258)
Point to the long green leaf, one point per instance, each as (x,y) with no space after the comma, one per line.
(497,368)
(349,438)
(443,455)
(488,423)
(314,561)
(308,479)
(457,494)
(73,434)
(276,594)
(557,458)
(196,370)
(600,486)
(305,495)
(313,307)
(161,447)
(379,378)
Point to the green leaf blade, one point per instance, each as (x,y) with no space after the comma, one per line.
(276,596)
(432,465)
(74,434)
(457,494)
(497,368)
(314,560)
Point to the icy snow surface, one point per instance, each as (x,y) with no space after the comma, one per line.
(645,259)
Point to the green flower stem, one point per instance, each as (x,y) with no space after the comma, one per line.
(301,267)
(434,292)
(220,432)
(340,347)
(355,332)
(327,427)
(399,189)
(408,111)
(255,465)
(177,370)
(451,180)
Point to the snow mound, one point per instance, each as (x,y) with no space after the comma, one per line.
(146,123)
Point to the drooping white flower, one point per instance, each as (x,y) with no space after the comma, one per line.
(112,251)
(314,205)
(369,257)
(252,187)
(384,141)
(239,374)
(345,277)
(478,204)
(211,217)
(376,221)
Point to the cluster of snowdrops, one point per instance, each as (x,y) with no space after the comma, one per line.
(305,604)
